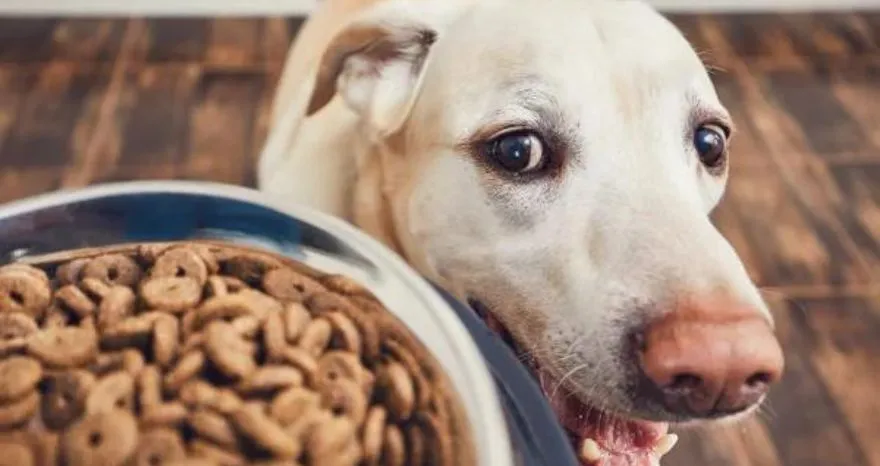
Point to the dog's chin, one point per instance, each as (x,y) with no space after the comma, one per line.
(600,437)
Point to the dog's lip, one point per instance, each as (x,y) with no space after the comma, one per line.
(601,438)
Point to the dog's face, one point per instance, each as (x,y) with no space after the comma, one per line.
(556,162)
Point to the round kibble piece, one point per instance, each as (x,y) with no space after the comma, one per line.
(253,423)
(64,398)
(374,431)
(248,268)
(288,285)
(181,262)
(26,269)
(344,285)
(163,415)
(296,319)
(293,404)
(74,299)
(70,273)
(174,294)
(16,454)
(15,330)
(104,439)
(158,447)
(117,304)
(18,376)
(166,340)
(15,325)
(213,427)
(316,336)
(115,391)
(22,292)
(227,350)
(64,347)
(113,269)
(345,398)
(394,448)
(18,412)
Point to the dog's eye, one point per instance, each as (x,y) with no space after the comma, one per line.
(711,144)
(518,151)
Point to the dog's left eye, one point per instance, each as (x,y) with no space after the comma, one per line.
(711,144)
(518,151)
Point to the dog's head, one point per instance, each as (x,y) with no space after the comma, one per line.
(555,161)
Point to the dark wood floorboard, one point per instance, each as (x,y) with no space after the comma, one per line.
(93,100)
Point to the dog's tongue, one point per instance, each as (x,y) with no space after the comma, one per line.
(606,440)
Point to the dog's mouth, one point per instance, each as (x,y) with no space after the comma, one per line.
(599,437)
(602,438)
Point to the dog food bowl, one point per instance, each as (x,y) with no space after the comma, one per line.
(511,421)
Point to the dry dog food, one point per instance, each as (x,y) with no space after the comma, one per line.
(191,354)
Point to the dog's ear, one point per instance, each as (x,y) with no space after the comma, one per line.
(376,64)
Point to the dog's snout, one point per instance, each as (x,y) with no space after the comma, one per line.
(711,359)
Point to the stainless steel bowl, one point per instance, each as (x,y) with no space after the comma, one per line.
(510,420)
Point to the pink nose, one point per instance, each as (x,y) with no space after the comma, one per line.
(712,357)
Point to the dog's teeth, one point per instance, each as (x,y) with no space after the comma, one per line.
(666,444)
(591,452)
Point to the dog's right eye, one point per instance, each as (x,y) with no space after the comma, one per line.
(518,151)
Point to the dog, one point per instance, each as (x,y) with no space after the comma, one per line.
(553,162)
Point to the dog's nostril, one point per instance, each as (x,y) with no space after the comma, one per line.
(759,380)
(683,383)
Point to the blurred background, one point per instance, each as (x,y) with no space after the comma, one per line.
(88,95)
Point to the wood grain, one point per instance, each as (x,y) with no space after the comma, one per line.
(93,100)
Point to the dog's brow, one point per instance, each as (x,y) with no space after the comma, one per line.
(528,102)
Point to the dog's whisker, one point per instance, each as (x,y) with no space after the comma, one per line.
(708,59)
(564,378)
(766,411)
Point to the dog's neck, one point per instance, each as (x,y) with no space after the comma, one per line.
(372,209)
(377,186)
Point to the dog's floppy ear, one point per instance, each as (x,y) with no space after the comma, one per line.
(376,64)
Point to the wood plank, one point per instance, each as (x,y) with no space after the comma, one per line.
(177,39)
(262,117)
(87,39)
(859,203)
(872,21)
(730,223)
(221,127)
(826,126)
(747,148)
(18,183)
(807,427)
(858,93)
(795,244)
(852,29)
(42,134)
(234,43)
(841,337)
(97,137)
(759,37)
(26,40)
(743,443)
(14,86)
(276,38)
(156,128)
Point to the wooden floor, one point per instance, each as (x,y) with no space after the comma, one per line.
(87,101)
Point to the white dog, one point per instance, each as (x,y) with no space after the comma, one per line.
(554,163)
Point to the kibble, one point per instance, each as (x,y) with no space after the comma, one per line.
(207,354)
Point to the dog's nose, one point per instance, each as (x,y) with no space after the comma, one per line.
(711,359)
